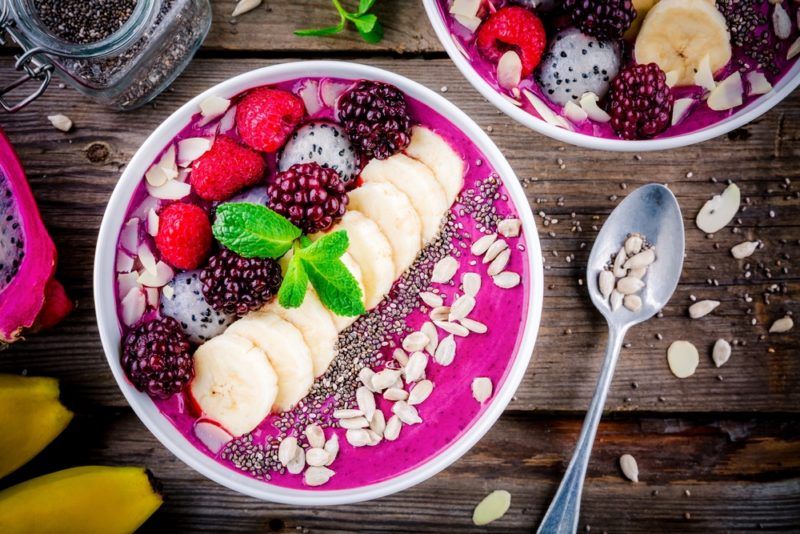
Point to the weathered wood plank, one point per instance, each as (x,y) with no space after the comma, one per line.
(740,474)
(73,176)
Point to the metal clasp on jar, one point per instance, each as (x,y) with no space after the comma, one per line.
(31,66)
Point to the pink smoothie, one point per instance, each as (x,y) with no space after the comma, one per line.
(700,115)
(451,410)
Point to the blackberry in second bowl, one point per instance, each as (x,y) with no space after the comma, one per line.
(640,102)
(375,116)
(235,285)
(607,20)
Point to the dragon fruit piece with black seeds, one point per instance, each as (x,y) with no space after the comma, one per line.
(324,143)
(576,64)
(30,297)
(254,195)
(184,302)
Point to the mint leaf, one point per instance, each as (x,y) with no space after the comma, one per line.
(375,35)
(321,32)
(327,247)
(335,285)
(253,230)
(365,23)
(295,284)
(364,6)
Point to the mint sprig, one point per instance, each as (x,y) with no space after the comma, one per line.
(365,23)
(255,231)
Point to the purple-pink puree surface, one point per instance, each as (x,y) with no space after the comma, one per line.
(700,115)
(451,410)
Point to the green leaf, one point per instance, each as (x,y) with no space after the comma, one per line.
(365,23)
(364,6)
(373,36)
(336,287)
(327,247)
(295,284)
(321,32)
(253,230)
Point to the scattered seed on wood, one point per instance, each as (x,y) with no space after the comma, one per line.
(782,325)
(683,359)
(744,250)
(629,467)
(702,308)
(491,508)
(721,352)
(60,122)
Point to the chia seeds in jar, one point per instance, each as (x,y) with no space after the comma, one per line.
(122,53)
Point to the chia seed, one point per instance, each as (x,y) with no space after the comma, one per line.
(84,21)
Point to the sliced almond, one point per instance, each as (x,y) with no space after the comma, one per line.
(446,351)
(509,227)
(589,104)
(492,507)
(509,70)
(629,467)
(480,246)
(243,6)
(781,22)
(703,76)
(744,249)
(719,211)
(794,49)
(758,83)
(728,94)
(544,111)
(420,392)
(681,109)
(683,359)
(702,308)
(444,270)
(212,107)
(481,389)
(575,113)
(784,324)
(316,476)
(721,352)
(506,280)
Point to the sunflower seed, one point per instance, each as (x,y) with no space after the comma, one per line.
(629,285)
(481,389)
(452,328)
(499,264)
(395,394)
(287,450)
(506,280)
(378,423)
(366,402)
(317,476)
(642,259)
(429,329)
(440,314)
(400,356)
(784,324)
(415,341)
(702,308)
(366,375)
(491,508)
(317,457)
(446,351)
(393,426)
(619,261)
(444,270)
(461,308)
(357,437)
(332,448)
(415,370)
(355,422)
(605,282)
(421,391)
(744,250)
(633,245)
(629,467)
(495,250)
(407,413)
(615,300)
(431,299)
(60,122)
(385,379)
(682,358)
(243,6)
(509,227)
(315,435)
(347,414)
(721,353)
(298,462)
(473,326)
(471,282)
(632,302)
(480,246)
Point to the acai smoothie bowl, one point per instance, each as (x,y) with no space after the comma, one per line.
(625,75)
(318,289)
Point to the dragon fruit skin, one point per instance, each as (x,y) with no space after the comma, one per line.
(32,299)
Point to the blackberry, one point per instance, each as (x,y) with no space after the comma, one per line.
(310,196)
(607,20)
(156,358)
(375,116)
(640,102)
(235,285)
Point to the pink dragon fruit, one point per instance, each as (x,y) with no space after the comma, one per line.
(30,297)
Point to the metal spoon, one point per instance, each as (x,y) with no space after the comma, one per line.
(652,211)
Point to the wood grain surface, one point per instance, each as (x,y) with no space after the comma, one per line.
(729,436)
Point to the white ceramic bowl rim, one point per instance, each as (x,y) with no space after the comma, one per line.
(755,109)
(106,305)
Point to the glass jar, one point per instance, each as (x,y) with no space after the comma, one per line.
(125,69)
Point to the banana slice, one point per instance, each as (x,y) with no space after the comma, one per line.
(372,253)
(431,149)
(391,210)
(341,322)
(677,34)
(314,322)
(234,383)
(286,350)
(418,182)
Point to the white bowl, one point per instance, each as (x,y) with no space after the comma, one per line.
(748,113)
(105,302)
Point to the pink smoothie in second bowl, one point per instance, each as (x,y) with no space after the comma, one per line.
(580,65)
(410,375)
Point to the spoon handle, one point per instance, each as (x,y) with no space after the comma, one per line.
(562,516)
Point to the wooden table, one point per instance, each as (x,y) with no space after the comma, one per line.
(718,451)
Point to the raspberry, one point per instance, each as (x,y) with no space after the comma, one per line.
(375,116)
(266,117)
(156,358)
(184,235)
(607,20)
(226,169)
(236,285)
(310,196)
(513,28)
(640,102)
